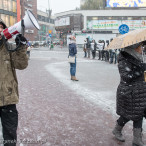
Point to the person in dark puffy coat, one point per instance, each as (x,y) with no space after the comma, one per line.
(131,92)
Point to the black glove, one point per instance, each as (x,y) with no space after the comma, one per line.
(20,40)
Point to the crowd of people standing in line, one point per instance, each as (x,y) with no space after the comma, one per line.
(98,49)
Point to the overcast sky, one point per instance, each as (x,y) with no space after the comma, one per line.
(58,6)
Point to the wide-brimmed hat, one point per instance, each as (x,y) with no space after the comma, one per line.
(2,22)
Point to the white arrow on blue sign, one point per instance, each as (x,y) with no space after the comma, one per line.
(50,35)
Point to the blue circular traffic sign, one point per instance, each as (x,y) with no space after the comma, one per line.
(50,35)
(123,29)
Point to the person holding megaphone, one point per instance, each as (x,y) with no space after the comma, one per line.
(9,61)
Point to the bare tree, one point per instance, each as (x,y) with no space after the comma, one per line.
(92,5)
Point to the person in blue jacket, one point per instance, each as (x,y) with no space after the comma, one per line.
(73,52)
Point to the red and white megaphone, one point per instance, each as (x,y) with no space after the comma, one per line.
(30,22)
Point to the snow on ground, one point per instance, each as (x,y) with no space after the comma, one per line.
(102,98)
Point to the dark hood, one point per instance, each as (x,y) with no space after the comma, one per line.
(125,56)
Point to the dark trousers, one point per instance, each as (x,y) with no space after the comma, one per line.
(102,54)
(93,54)
(99,53)
(136,124)
(9,120)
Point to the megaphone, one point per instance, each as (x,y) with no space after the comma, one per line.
(29,21)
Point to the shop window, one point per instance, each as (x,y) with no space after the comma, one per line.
(129,18)
(142,18)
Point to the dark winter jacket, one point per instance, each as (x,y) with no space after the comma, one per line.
(88,44)
(72,49)
(131,92)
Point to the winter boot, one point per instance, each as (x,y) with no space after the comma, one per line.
(137,137)
(72,78)
(118,133)
(75,79)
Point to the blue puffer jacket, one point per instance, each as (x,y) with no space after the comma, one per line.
(72,49)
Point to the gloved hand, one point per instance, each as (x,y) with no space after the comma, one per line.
(20,40)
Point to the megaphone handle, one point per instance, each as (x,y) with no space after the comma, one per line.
(23,27)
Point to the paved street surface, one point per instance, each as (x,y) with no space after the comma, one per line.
(55,111)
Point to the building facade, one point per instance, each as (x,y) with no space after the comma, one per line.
(30,34)
(68,24)
(8,11)
(47,27)
(104,24)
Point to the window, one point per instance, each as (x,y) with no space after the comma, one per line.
(14,6)
(11,20)
(1,4)
(7,20)
(9,5)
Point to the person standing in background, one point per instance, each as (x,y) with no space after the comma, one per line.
(93,48)
(73,53)
(88,47)
(85,49)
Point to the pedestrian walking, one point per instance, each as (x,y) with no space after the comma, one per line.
(73,53)
(9,61)
(131,92)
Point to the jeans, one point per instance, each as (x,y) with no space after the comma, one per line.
(73,68)
(136,124)
(113,57)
